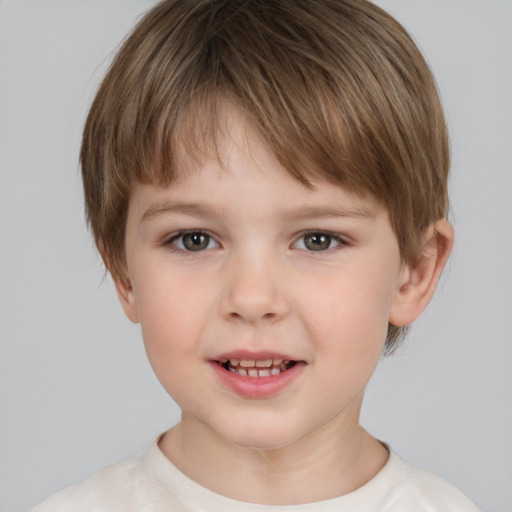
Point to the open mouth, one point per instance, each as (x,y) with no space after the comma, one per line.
(257,368)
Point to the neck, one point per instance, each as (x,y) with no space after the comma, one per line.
(322,465)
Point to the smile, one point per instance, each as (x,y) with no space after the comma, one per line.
(254,375)
(255,368)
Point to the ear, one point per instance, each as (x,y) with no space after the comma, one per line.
(417,284)
(118,269)
(126,295)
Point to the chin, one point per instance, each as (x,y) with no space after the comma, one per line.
(260,436)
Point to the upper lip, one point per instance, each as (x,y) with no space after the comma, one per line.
(253,355)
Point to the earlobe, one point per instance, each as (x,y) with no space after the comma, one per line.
(126,297)
(417,284)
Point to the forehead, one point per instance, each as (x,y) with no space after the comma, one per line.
(237,173)
(245,179)
(238,162)
(219,146)
(203,142)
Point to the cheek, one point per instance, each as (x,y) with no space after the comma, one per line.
(349,313)
(166,299)
(348,332)
(172,315)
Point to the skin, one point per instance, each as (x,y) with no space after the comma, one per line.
(258,286)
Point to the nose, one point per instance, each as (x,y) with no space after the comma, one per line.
(254,291)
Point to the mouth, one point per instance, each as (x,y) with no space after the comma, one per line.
(257,375)
(256,368)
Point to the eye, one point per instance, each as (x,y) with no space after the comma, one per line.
(193,241)
(318,241)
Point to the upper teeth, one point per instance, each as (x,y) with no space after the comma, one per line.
(257,367)
(261,363)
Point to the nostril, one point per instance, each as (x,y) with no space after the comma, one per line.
(267,316)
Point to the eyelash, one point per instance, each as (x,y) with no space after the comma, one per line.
(332,237)
(171,241)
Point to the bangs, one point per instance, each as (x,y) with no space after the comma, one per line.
(201,129)
(312,107)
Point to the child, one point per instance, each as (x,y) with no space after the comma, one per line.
(266,183)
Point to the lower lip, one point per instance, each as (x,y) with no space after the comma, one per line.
(257,387)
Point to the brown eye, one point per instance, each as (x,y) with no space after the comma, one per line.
(193,241)
(317,241)
(196,241)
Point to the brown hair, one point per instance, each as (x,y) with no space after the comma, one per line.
(336,87)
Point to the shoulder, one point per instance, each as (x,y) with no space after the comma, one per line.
(419,490)
(108,489)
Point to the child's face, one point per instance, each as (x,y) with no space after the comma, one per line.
(241,261)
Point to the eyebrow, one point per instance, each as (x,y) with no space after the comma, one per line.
(327,212)
(307,212)
(176,207)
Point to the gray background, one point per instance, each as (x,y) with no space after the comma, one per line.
(76,390)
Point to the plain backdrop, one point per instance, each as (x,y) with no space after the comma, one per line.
(76,390)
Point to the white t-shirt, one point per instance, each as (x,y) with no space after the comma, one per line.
(149,482)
